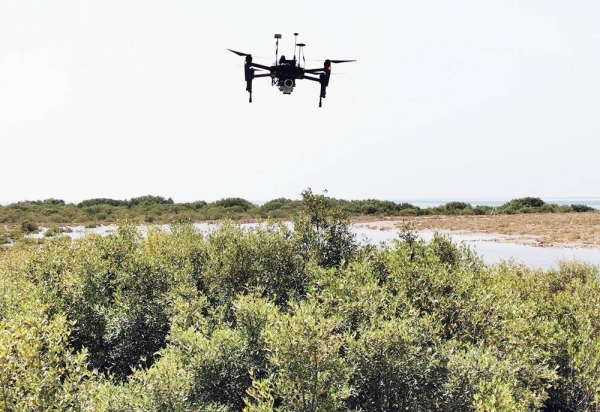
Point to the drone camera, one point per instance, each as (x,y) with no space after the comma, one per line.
(287,86)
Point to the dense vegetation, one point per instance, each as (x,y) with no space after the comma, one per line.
(27,217)
(269,319)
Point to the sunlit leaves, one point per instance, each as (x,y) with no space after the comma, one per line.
(267,318)
(304,350)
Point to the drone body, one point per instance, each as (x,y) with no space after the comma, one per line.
(284,73)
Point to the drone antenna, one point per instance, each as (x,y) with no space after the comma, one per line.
(277,36)
(301,53)
(295,44)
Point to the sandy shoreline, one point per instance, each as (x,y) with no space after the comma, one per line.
(580,230)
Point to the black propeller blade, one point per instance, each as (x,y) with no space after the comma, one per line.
(327,65)
(238,53)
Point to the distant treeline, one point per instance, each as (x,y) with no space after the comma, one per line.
(157,209)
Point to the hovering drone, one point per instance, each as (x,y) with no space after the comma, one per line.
(284,73)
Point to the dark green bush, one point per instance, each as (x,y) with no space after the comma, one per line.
(102,201)
(274,204)
(454,206)
(581,208)
(53,231)
(27,226)
(232,202)
(197,205)
(522,205)
(483,210)
(149,200)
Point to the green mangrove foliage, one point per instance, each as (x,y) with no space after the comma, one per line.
(267,318)
(26,217)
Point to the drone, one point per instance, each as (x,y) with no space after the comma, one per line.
(284,73)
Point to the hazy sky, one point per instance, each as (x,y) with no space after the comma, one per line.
(448,99)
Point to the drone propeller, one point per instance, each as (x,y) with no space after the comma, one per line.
(238,53)
(327,66)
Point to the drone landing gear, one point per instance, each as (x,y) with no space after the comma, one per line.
(249,77)
(323,80)
(322,96)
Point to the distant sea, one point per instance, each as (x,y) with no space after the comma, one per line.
(425,203)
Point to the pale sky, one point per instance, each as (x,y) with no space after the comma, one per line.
(448,99)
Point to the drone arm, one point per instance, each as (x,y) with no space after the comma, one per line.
(260,66)
(313,70)
(314,79)
(262,75)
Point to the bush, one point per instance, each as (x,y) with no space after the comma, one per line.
(38,369)
(243,204)
(308,373)
(265,318)
(483,210)
(53,231)
(396,366)
(264,258)
(582,208)
(453,207)
(274,204)
(197,205)
(522,205)
(27,226)
(5,237)
(324,232)
(149,200)
(102,201)
(220,369)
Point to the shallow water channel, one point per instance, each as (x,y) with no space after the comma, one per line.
(486,246)
(492,251)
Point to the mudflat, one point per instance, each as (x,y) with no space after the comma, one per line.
(537,229)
